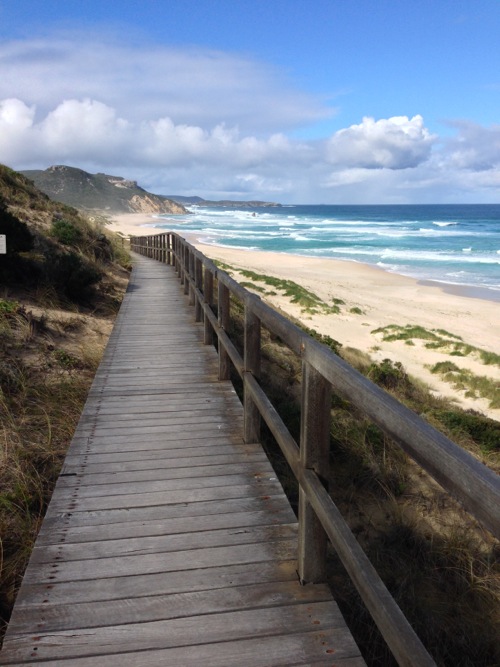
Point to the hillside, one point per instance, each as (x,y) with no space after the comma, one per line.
(62,281)
(99,192)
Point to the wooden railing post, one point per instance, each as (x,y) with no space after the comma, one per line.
(251,361)
(176,254)
(186,270)
(208,297)
(191,275)
(223,316)
(314,455)
(198,282)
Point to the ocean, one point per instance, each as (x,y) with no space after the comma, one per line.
(453,244)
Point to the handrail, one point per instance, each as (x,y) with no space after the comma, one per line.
(469,481)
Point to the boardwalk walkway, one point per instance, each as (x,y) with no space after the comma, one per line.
(168,541)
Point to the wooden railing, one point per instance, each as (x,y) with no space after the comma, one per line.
(468,480)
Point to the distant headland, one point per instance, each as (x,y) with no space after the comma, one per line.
(115,194)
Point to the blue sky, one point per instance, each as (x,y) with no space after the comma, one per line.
(367,101)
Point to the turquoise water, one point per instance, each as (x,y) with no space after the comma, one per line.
(456,244)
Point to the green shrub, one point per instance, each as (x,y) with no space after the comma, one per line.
(483,430)
(8,307)
(489,358)
(325,339)
(390,375)
(66,359)
(72,275)
(445,367)
(66,233)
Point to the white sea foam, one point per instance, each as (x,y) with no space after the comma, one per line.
(424,247)
(437,256)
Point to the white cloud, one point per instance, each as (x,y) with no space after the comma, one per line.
(474,147)
(393,159)
(16,120)
(87,127)
(215,124)
(194,86)
(393,143)
(15,115)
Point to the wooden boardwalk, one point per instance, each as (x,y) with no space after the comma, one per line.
(168,541)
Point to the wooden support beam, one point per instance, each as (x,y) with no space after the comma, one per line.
(251,366)
(224,319)
(314,455)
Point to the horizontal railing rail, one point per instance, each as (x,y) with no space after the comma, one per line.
(469,481)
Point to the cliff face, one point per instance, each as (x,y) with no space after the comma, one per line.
(99,192)
(153,204)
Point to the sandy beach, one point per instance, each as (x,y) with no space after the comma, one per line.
(373,299)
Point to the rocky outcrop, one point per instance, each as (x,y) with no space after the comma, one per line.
(153,204)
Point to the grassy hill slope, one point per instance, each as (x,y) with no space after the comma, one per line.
(61,284)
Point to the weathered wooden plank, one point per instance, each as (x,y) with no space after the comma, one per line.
(168,422)
(301,648)
(192,559)
(162,441)
(170,526)
(115,480)
(162,607)
(135,407)
(289,650)
(167,497)
(84,493)
(162,513)
(171,456)
(144,584)
(168,426)
(155,544)
(185,631)
(131,410)
(117,466)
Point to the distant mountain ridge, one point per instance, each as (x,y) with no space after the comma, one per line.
(114,194)
(101,192)
(230,203)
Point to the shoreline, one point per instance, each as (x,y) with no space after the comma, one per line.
(132,224)
(373,298)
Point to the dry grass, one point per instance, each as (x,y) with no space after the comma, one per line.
(47,362)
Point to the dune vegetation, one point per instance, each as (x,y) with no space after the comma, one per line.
(439,564)
(61,284)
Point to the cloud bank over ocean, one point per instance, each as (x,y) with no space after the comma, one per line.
(193,120)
